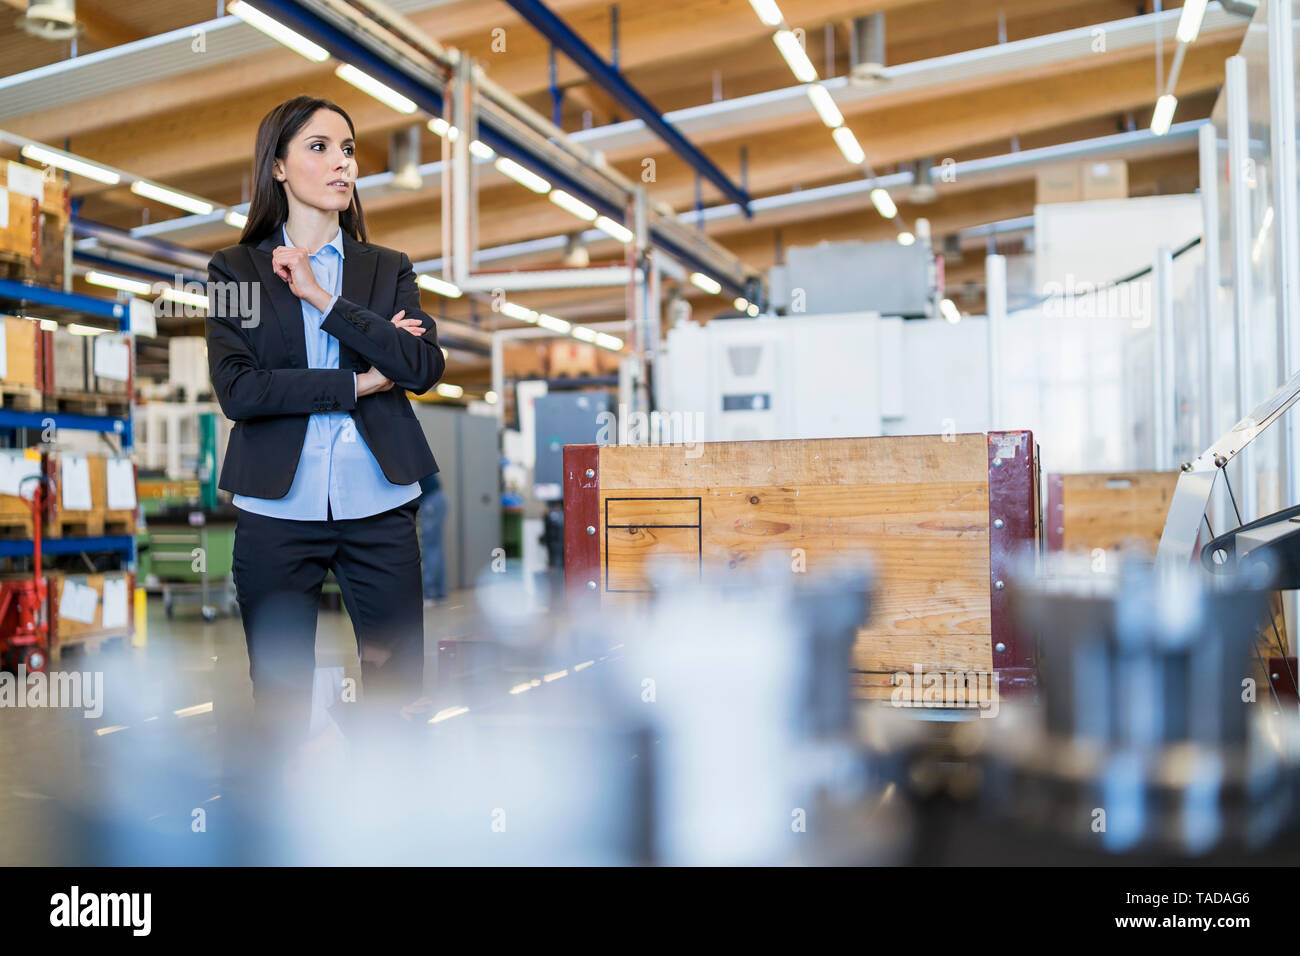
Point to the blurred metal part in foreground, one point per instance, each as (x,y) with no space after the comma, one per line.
(1147,740)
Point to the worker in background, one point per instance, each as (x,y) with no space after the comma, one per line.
(433,513)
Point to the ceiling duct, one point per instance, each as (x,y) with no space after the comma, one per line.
(51,19)
(404,159)
(867,47)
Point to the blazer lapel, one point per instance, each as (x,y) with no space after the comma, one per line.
(284,304)
(359,263)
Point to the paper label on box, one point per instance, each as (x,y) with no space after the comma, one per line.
(14,467)
(77,603)
(143,321)
(26,181)
(76,483)
(4,208)
(112,357)
(114,614)
(4,353)
(120,478)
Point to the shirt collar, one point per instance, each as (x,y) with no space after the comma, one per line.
(336,242)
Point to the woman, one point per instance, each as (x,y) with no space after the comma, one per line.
(326,455)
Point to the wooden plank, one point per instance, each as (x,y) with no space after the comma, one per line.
(674,511)
(1110,510)
(831,461)
(631,552)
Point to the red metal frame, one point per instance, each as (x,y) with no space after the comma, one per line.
(1013,531)
(582,578)
(1284,683)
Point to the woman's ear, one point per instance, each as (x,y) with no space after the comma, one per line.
(277,171)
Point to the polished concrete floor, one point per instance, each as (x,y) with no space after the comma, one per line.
(158,723)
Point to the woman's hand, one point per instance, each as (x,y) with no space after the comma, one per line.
(293,265)
(371,381)
(411,325)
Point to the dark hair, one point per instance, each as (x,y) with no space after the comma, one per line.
(269,208)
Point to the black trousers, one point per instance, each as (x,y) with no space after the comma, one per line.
(279,567)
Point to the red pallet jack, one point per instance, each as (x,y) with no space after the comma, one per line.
(24,621)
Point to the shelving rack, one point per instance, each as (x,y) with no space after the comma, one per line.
(39,302)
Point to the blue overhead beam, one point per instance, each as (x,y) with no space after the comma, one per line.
(15,291)
(612,82)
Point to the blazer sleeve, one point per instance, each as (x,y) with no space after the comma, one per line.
(243,389)
(414,363)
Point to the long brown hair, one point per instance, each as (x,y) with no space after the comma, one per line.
(269,208)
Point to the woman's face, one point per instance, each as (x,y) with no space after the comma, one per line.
(316,160)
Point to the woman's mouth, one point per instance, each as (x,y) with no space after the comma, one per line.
(340,184)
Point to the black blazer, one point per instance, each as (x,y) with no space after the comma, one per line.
(258,364)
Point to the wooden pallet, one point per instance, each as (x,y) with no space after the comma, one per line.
(16,266)
(88,403)
(91,643)
(17,527)
(81,526)
(21,398)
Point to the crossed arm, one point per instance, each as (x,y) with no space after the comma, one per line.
(245,390)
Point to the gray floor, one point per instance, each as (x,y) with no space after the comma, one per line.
(158,703)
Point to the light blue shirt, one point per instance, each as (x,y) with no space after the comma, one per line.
(336,470)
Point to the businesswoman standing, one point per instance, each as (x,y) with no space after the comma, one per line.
(325,457)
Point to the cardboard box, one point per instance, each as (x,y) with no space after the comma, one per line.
(49,265)
(523,360)
(22,352)
(70,362)
(572,359)
(1105,179)
(1063,183)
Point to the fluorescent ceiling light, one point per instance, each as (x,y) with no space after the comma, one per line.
(740,303)
(189,298)
(825,106)
(584,333)
(906,238)
(110,281)
(615,229)
(949,310)
(142,187)
(440,286)
(1189,23)
(706,283)
(490,397)
(85,329)
(848,144)
(1164,114)
(572,204)
(767,11)
(48,325)
(518,312)
(368,84)
(62,160)
(524,177)
(442,128)
(606,341)
(795,56)
(447,390)
(753,309)
(481,150)
(278,31)
(884,202)
(554,324)
(236,219)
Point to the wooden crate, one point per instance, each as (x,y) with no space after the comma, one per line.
(20,239)
(16,513)
(66,632)
(24,363)
(71,357)
(50,231)
(1107,511)
(940,517)
(96,520)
